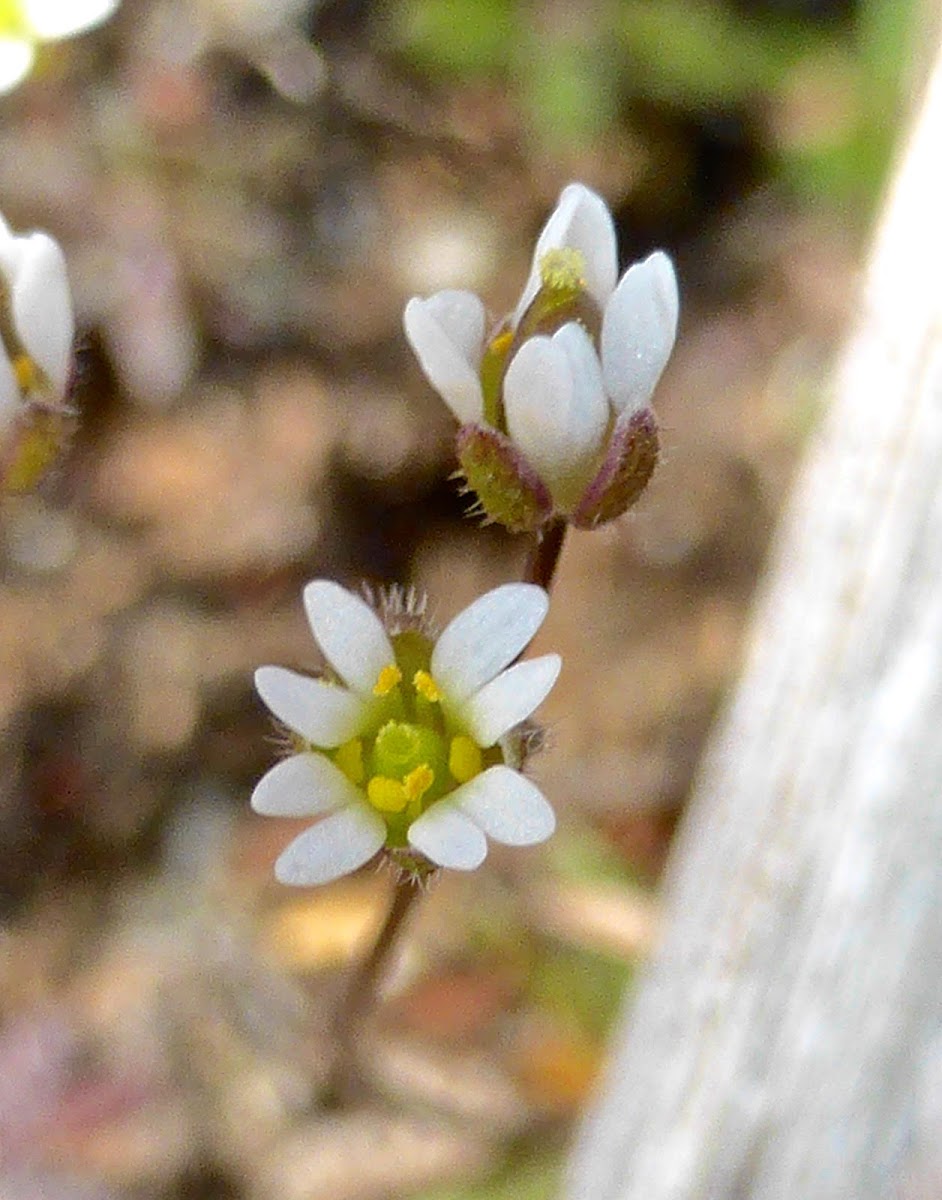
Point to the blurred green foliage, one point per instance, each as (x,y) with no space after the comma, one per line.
(537,1180)
(820,96)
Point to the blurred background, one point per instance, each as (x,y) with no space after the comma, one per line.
(248,191)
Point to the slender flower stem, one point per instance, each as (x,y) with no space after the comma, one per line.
(344,1082)
(544,556)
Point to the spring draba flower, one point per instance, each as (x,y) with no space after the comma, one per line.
(36,332)
(554,403)
(408,744)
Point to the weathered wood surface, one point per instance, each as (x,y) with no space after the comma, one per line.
(777,1046)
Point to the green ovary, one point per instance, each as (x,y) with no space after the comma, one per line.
(410,757)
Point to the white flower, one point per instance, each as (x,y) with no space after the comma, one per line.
(23,23)
(580,355)
(406,746)
(37,324)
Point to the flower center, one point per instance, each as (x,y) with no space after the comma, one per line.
(410,755)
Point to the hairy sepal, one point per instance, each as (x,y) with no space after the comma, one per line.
(508,490)
(627,467)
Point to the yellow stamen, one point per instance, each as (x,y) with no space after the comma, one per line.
(388,795)
(349,758)
(563,270)
(389,677)
(464,759)
(418,782)
(27,377)
(426,686)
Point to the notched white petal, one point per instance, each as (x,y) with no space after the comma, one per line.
(304,785)
(349,633)
(446,331)
(506,806)
(335,846)
(480,641)
(509,699)
(321,713)
(449,838)
(638,332)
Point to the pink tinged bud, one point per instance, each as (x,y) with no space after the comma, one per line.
(625,471)
(509,491)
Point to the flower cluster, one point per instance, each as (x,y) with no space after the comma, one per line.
(36,332)
(24,23)
(554,403)
(408,745)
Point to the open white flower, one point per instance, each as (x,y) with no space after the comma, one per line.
(408,744)
(578,360)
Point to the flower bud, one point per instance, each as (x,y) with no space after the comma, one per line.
(555,404)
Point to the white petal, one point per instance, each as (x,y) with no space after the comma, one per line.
(62,18)
(582,221)
(506,806)
(333,847)
(321,713)
(16,58)
(448,838)
(41,303)
(305,785)
(486,636)
(638,331)
(349,632)
(508,699)
(446,331)
(556,410)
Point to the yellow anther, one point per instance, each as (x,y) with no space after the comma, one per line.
(349,758)
(418,782)
(464,759)
(387,680)
(27,377)
(426,686)
(388,795)
(563,270)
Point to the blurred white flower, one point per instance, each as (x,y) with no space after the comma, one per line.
(408,745)
(36,332)
(566,374)
(24,23)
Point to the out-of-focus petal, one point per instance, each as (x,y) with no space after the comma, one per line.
(61,18)
(506,806)
(446,331)
(581,221)
(16,58)
(349,632)
(304,785)
(449,838)
(509,699)
(333,847)
(638,332)
(480,641)
(40,302)
(321,713)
